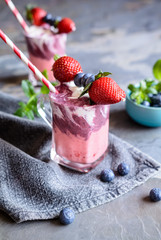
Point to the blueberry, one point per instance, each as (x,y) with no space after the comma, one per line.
(145,103)
(123,169)
(77,79)
(156,99)
(150,95)
(48,18)
(90,79)
(66,216)
(107,175)
(155,105)
(155,194)
(87,78)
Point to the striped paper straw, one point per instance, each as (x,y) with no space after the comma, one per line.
(17,15)
(27,62)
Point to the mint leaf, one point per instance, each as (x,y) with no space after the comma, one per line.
(132,88)
(45,73)
(157,70)
(30,114)
(158,87)
(44,89)
(143,85)
(27,88)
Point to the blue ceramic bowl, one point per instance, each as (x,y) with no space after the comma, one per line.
(147,116)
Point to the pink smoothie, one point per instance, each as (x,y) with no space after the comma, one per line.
(42,45)
(80,130)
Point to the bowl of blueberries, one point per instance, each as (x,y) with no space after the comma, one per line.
(143,102)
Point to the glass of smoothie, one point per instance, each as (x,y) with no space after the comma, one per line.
(42,45)
(79,130)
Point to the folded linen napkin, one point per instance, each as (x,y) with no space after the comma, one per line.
(33,187)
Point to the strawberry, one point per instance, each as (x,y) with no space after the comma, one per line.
(105,90)
(65,68)
(66,25)
(35,15)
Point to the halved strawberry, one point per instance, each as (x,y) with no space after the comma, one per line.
(105,90)
(66,25)
(65,68)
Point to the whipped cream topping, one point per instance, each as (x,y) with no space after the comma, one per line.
(76,91)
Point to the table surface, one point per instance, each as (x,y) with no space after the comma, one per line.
(123,37)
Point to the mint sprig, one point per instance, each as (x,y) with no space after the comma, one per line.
(29,109)
(140,93)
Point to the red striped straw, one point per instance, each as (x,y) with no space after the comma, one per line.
(27,62)
(17,15)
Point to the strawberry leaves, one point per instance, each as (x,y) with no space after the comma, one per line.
(102,74)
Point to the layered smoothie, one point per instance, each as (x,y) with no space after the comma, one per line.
(80,130)
(42,45)
(80,114)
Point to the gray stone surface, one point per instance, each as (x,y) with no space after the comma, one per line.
(133,216)
(123,37)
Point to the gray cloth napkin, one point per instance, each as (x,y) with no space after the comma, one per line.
(33,187)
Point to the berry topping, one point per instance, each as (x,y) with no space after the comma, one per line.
(65,68)
(123,169)
(66,216)
(77,79)
(48,18)
(35,15)
(105,90)
(107,175)
(83,79)
(155,194)
(66,25)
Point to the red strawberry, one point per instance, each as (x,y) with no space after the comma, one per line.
(35,15)
(66,25)
(65,68)
(106,91)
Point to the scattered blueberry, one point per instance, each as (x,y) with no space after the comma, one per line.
(66,216)
(107,175)
(123,169)
(155,194)
(77,79)
(145,103)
